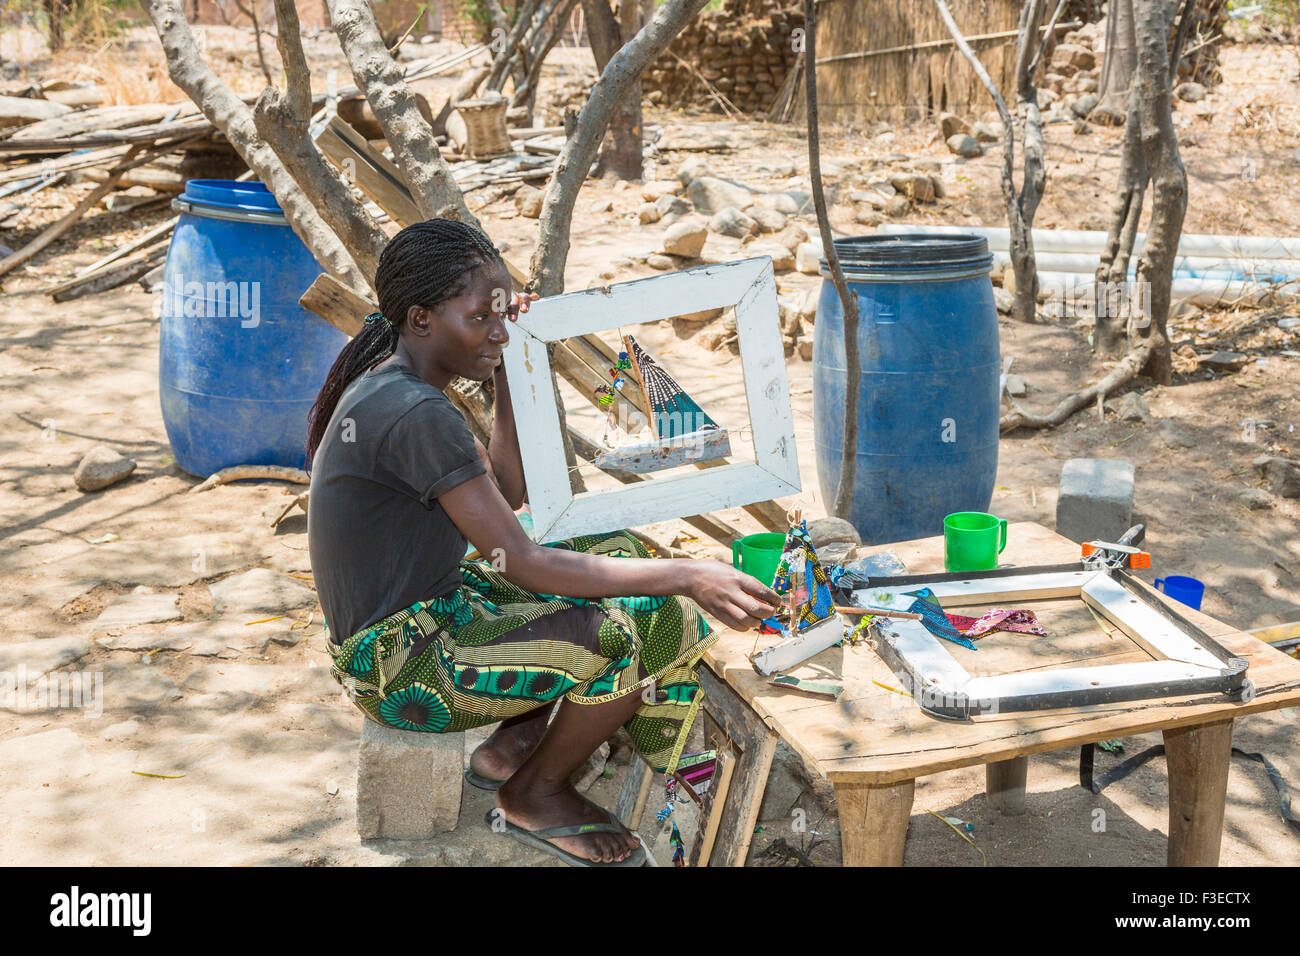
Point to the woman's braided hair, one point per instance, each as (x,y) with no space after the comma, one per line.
(425,264)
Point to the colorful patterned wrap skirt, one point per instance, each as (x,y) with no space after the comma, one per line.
(452,663)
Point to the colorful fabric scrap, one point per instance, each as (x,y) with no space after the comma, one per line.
(813,598)
(998,619)
(935,621)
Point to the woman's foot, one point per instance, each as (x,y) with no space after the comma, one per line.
(498,757)
(530,809)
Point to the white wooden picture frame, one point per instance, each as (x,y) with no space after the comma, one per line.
(1187,660)
(750,286)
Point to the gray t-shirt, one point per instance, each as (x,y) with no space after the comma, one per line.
(379,539)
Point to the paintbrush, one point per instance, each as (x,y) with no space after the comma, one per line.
(881,611)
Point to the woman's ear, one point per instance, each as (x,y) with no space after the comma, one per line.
(418,319)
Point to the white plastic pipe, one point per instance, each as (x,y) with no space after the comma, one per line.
(1191,267)
(1073,286)
(1078,241)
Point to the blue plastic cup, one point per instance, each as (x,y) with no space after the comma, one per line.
(1181,588)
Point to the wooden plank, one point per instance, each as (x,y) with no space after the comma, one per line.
(712,526)
(712,805)
(757,743)
(636,791)
(336,304)
(368,169)
(1197,758)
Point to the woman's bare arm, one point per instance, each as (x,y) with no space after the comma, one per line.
(481,513)
(503,446)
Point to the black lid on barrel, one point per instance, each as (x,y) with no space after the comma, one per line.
(908,257)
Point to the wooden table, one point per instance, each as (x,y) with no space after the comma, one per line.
(872,743)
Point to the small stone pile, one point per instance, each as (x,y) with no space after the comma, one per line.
(744,50)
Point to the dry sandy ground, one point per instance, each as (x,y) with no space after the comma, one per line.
(254,750)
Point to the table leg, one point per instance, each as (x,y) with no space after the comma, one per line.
(1004,783)
(873,822)
(1197,758)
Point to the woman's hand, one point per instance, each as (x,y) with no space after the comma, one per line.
(736,599)
(522,301)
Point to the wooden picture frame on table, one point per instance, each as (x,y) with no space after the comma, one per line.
(750,286)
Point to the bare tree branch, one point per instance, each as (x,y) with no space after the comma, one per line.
(283,120)
(575,160)
(1125,371)
(1025,304)
(848,300)
(229,114)
(378,75)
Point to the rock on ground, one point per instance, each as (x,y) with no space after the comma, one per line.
(528,202)
(965,145)
(768,220)
(1133,408)
(1282,475)
(141,606)
(693,169)
(987,132)
(832,530)
(732,222)
(951,124)
(685,239)
(101,467)
(709,194)
(260,591)
(1256,499)
(916,186)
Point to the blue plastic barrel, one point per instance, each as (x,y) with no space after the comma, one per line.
(927,382)
(240,361)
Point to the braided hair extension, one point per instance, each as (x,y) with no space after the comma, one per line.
(425,265)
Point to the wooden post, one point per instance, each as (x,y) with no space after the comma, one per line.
(1197,758)
(636,790)
(736,721)
(1005,785)
(873,822)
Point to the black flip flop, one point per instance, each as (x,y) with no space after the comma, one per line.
(483,783)
(538,838)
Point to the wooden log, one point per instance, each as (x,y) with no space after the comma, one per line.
(113,275)
(1197,760)
(56,229)
(160,231)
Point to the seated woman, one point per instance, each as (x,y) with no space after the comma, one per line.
(426,641)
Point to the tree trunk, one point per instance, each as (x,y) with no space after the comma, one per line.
(1155,266)
(622,152)
(1120,59)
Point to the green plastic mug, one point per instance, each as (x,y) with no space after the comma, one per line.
(972,541)
(758,555)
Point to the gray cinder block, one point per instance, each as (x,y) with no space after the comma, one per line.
(1095,500)
(408,783)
